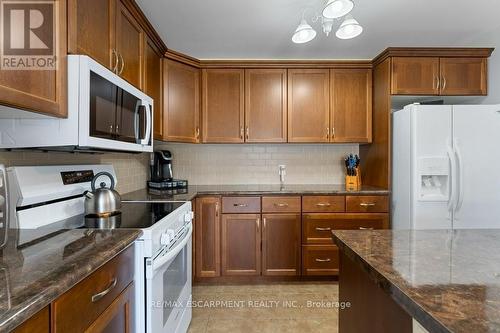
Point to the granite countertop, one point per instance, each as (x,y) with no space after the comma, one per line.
(449,281)
(35,274)
(194,190)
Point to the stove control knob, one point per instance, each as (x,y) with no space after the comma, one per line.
(188,217)
(171,234)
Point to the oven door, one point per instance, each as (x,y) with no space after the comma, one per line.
(168,287)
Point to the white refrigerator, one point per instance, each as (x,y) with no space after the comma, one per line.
(446,167)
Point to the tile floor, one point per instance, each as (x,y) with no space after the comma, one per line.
(270,308)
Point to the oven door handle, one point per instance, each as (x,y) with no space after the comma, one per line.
(157,263)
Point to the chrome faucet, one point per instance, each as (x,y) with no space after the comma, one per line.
(282,173)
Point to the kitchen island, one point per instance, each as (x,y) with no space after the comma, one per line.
(34,275)
(404,281)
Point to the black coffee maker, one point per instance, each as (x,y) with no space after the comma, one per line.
(161,166)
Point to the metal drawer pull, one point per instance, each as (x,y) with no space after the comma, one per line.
(365,228)
(281,204)
(323,260)
(323,229)
(240,205)
(367,204)
(323,204)
(106,291)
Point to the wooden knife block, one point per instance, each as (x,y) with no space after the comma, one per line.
(353,183)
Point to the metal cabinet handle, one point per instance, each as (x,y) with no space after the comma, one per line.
(333,132)
(117,60)
(365,228)
(323,229)
(323,204)
(258,224)
(197,133)
(242,132)
(264,220)
(116,129)
(247,133)
(328,132)
(216,209)
(111,129)
(240,205)
(444,83)
(281,204)
(438,82)
(123,64)
(367,204)
(106,291)
(323,260)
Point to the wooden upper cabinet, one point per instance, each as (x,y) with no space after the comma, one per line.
(265,105)
(240,244)
(223,105)
(207,237)
(415,76)
(351,111)
(463,76)
(153,84)
(129,45)
(91,30)
(281,244)
(181,102)
(42,91)
(308,105)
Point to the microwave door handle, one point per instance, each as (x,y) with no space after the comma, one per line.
(146,139)
(157,263)
(136,122)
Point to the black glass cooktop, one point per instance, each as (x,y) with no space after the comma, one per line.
(137,215)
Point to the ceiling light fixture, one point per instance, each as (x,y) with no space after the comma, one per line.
(337,8)
(350,28)
(334,9)
(304,33)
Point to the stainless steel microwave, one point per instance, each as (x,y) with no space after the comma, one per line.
(105,112)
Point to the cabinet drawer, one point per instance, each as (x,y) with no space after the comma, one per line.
(317,228)
(323,204)
(320,260)
(237,205)
(79,307)
(367,204)
(281,204)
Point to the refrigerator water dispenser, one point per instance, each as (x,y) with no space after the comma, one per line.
(434,175)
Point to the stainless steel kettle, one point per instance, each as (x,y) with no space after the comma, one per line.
(103,201)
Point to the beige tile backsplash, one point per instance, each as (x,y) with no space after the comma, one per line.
(258,164)
(131,169)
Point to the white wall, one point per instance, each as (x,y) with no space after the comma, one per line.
(258,164)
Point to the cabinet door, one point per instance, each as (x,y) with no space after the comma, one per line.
(308,105)
(38,323)
(351,117)
(117,318)
(207,237)
(153,84)
(91,30)
(181,102)
(223,105)
(463,76)
(415,76)
(265,105)
(43,91)
(320,260)
(129,45)
(240,244)
(281,245)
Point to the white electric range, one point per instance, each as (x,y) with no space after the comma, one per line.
(50,198)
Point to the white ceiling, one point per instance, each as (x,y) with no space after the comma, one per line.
(262,29)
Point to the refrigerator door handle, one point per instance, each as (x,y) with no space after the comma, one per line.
(460,177)
(452,176)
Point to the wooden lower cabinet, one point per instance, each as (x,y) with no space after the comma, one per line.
(39,323)
(241,241)
(320,260)
(117,317)
(281,244)
(207,237)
